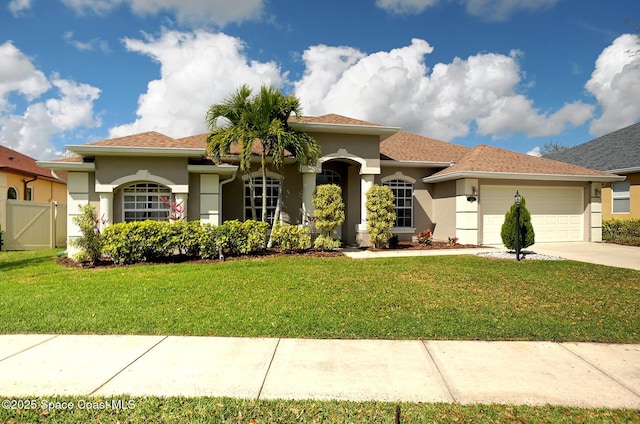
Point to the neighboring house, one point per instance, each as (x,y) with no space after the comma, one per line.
(453,190)
(617,153)
(22,179)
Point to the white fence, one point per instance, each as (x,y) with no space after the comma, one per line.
(32,225)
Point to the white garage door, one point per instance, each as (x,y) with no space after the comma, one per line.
(556,212)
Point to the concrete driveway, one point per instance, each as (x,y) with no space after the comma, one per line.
(597,253)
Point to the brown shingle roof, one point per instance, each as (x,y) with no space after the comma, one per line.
(150,139)
(332,119)
(405,146)
(485,158)
(17,162)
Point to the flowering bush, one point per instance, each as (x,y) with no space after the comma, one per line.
(425,237)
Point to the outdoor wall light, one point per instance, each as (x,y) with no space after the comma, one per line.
(471,199)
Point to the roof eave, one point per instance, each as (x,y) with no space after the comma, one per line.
(522,176)
(382,131)
(67,166)
(88,150)
(624,170)
(413,164)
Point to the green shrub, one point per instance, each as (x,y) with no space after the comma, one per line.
(131,242)
(328,215)
(381,215)
(210,244)
(89,243)
(512,228)
(242,238)
(186,237)
(623,231)
(291,238)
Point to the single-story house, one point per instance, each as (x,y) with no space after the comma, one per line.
(453,190)
(22,179)
(618,153)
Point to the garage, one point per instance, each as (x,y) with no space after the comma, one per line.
(557,213)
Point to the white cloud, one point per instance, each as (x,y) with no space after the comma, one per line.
(19,7)
(500,10)
(615,83)
(197,70)
(218,12)
(95,44)
(536,151)
(68,108)
(405,7)
(492,10)
(396,88)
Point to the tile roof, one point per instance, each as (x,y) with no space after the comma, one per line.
(615,151)
(404,146)
(17,162)
(484,158)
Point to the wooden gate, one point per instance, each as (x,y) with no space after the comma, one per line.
(32,225)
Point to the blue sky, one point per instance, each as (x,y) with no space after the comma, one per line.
(515,74)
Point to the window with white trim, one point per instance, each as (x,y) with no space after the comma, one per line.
(29,194)
(328,176)
(272,187)
(403,199)
(621,199)
(12,193)
(142,201)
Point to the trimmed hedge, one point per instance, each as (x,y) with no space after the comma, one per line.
(291,238)
(622,231)
(131,242)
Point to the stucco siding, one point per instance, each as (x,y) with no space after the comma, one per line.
(444,210)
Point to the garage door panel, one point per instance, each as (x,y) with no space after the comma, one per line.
(556,212)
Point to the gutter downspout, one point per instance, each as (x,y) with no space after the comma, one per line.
(223,182)
(25,182)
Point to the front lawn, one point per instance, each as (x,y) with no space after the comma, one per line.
(445,297)
(225,410)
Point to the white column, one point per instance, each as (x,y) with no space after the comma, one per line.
(106,209)
(181,201)
(308,187)
(210,199)
(595,217)
(366,182)
(362,236)
(467,211)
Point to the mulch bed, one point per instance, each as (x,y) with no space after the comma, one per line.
(267,253)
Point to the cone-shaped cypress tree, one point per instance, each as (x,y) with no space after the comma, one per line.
(511,227)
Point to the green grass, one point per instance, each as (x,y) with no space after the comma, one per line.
(225,410)
(445,297)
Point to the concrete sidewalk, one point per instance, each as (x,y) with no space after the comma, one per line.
(572,374)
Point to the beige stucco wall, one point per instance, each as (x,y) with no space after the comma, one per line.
(607,205)
(422,197)
(444,210)
(112,168)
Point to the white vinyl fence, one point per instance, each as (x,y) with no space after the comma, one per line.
(32,225)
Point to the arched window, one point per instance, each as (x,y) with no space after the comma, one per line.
(142,201)
(12,193)
(272,187)
(328,176)
(403,199)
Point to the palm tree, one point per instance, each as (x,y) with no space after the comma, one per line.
(229,123)
(262,118)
